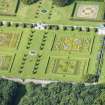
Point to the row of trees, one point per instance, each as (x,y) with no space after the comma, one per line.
(60,3)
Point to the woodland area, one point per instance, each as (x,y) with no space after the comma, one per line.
(12,93)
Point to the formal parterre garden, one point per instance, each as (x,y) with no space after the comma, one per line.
(47,54)
(8,7)
(86,10)
(45,11)
(64,55)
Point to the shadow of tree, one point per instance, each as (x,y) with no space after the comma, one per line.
(20,92)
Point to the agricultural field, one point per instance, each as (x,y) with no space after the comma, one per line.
(51,55)
(44,11)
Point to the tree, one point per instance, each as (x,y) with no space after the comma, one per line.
(90,78)
(100,100)
(80,101)
(61,3)
(1,23)
(25,101)
(9,92)
(58,94)
(28,2)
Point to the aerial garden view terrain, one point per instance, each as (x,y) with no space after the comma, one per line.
(52,52)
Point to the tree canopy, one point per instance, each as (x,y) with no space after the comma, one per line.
(28,2)
(11,93)
(63,94)
(61,3)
